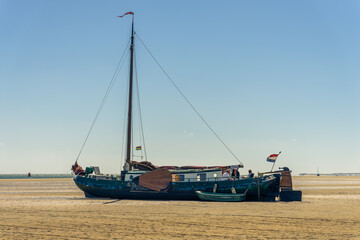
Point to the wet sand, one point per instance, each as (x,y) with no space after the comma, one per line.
(56,209)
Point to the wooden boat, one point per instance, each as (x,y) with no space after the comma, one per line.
(143,180)
(221,197)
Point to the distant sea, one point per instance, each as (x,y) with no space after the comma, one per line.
(21,176)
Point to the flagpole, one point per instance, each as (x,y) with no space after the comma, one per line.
(274,163)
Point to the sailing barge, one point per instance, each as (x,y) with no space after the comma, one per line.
(143,180)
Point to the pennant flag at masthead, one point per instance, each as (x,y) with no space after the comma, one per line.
(127,14)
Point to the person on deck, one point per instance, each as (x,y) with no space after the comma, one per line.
(251,174)
(226,175)
(235,174)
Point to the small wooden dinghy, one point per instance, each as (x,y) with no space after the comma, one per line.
(221,197)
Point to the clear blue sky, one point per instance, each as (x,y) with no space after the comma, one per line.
(268,76)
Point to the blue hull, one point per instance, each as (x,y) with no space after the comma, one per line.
(267,187)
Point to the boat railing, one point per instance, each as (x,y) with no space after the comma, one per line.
(102,176)
(210,179)
(263,174)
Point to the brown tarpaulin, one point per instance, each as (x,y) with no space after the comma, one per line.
(157,180)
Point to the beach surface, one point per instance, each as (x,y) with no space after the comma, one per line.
(57,209)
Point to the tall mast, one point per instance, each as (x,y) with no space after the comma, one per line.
(129,119)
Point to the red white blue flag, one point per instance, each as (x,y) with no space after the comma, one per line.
(272,157)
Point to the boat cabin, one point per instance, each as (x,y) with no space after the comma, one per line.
(194,175)
(183,175)
(191,175)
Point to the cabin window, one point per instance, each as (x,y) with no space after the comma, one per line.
(180,178)
(201,177)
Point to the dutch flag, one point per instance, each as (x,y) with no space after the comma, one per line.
(272,157)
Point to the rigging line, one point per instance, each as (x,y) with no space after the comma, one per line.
(178,89)
(139,106)
(108,90)
(124,127)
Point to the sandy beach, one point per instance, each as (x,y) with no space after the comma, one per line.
(56,209)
